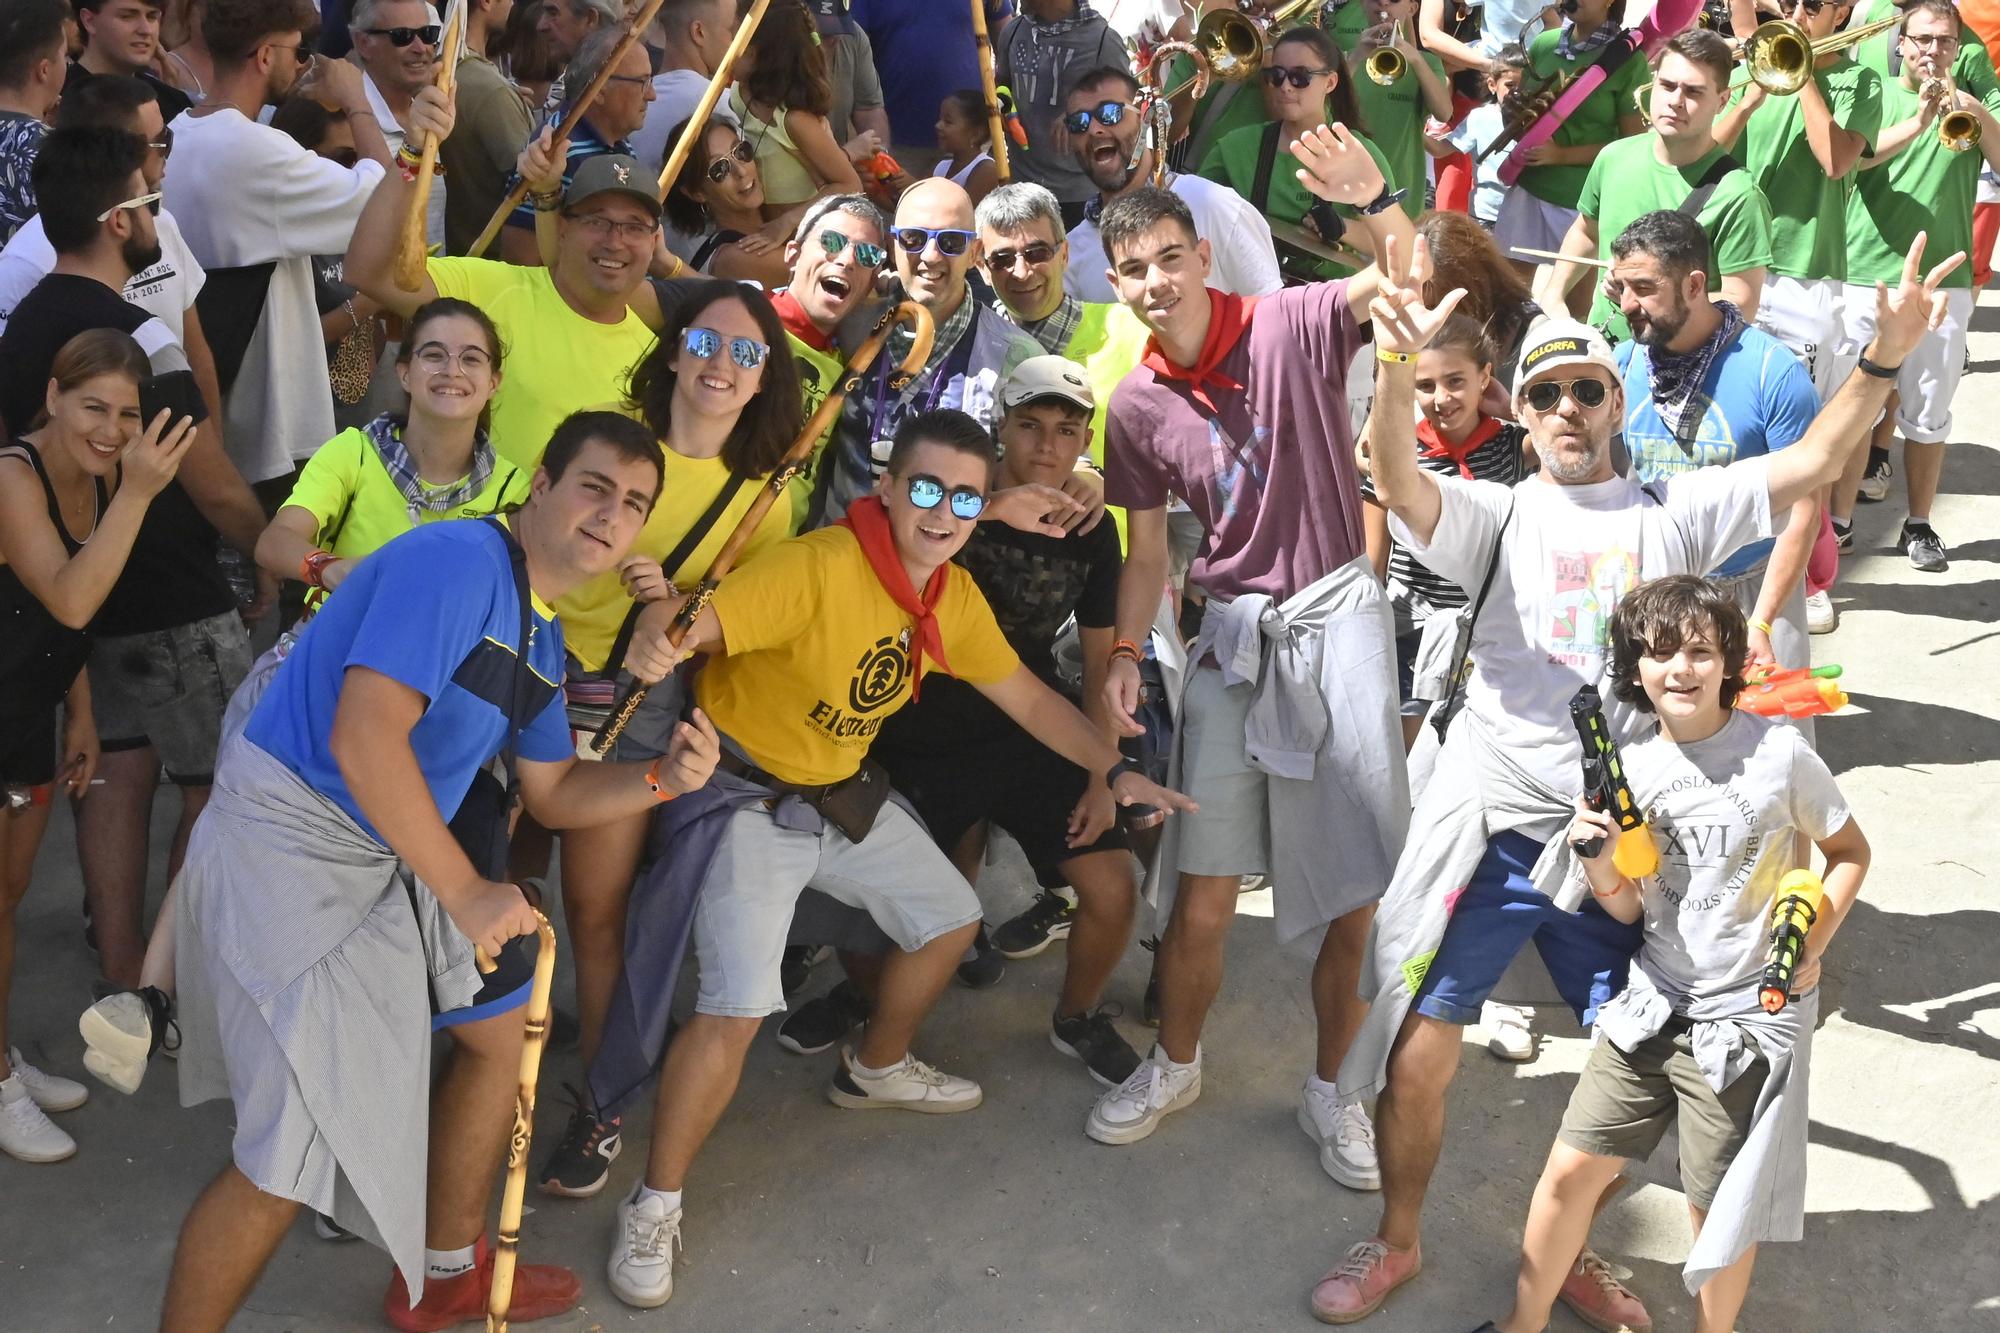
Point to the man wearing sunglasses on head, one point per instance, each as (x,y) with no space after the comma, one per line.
(934,247)
(810,648)
(1486,869)
(1107,132)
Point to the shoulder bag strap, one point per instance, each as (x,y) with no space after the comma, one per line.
(1267,158)
(685,547)
(1704,189)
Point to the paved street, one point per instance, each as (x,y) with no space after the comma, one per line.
(802,1216)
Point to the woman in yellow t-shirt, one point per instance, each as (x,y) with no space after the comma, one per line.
(722,393)
(368,486)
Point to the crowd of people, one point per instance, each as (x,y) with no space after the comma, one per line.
(1202,487)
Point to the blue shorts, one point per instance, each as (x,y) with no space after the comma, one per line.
(502,990)
(1586,952)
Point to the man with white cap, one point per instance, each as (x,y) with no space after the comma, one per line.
(1483,871)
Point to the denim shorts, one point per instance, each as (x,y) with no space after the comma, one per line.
(1587,952)
(169,689)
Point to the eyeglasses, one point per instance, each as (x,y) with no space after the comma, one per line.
(1543,395)
(436,357)
(866,254)
(1106,113)
(951,241)
(598,225)
(428,35)
(149,202)
(1299,76)
(1036,253)
(745,352)
(927,492)
(302,49)
(1937,39)
(741,152)
(629,78)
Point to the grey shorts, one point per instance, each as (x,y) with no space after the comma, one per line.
(1624,1102)
(897,875)
(1231,833)
(169,689)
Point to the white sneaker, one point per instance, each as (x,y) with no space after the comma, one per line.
(26,1133)
(1875,482)
(642,1254)
(1345,1137)
(910,1086)
(1821,618)
(1132,1110)
(1508,1034)
(118,1039)
(50,1092)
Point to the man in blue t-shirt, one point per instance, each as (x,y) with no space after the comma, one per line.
(349,854)
(1704,389)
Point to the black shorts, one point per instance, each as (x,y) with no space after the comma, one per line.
(28,750)
(1014,781)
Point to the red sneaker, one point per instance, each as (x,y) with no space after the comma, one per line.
(1357,1287)
(540,1290)
(1601,1300)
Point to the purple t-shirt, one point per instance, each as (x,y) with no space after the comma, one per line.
(1271,477)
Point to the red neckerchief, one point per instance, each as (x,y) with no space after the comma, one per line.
(1228,321)
(793,316)
(1436,446)
(868,520)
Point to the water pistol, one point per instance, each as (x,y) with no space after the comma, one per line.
(1800,895)
(1799,692)
(1016,131)
(882,167)
(1605,788)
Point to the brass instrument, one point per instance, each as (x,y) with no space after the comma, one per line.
(1532,100)
(1234,43)
(1385,64)
(1957,130)
(1778,57)
(1158,109)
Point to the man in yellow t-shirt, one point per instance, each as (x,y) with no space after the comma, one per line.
(811,648)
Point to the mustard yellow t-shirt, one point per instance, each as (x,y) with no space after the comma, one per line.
(592,614)
(818,655)
(557,362)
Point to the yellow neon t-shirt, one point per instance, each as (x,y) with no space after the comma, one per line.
(593,613)
(818,655)
(557,362)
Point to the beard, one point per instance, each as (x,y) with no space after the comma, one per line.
(1115,174)
(140,255)
(1658,331)
(1575,466)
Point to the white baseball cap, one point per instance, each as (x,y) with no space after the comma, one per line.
(1562,342)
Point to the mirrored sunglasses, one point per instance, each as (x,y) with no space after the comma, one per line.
(745,352)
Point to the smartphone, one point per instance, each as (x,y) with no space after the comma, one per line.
(174,392)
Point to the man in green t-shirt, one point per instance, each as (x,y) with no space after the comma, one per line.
(1673,167)
(1916,182)
(1393,113)
(1801,151)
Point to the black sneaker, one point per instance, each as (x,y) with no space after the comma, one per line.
(1149,1008)
(796,965)
(1843,535)
(1924,547)
(985,967)
(581,1162)
(818,1024)
(1047,920)
(1089,1037)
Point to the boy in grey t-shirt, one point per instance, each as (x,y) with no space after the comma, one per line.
(1724,793)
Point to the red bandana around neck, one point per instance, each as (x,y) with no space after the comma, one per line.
(868,519)
(1436,446)
(1228,321)
(797,323)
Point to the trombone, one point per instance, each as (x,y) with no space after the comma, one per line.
(1385,64)
(1234,43)
(1778,57)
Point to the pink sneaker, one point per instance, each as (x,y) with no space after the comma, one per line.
(1360,1283)
(1601,1300)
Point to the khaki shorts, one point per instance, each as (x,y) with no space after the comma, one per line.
(1624,1102)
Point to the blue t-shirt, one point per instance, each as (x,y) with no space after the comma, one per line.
(1479,131)
(925,52)
(1757,399)
(437,610)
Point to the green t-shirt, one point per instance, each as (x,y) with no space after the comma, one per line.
(1926,187)
(1209,126)
(1629,180)
(1596,121)
(1395,114)
(1809,207)
(1972,70)
(1233,162)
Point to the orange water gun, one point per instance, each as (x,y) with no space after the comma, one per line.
(1800,897)
(1798,692)
(1011,116)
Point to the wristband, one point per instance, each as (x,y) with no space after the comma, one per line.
(1613,894)
(660,792)
(1763,627)
(1394,358)
(546,201)
(1125,648)
(1879,371)
(312,569)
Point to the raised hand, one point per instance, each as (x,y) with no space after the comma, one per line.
(430,117)
(1403,322)
(1033,507)
(540,164)
(1336,166)
(152,457)
(1917,306)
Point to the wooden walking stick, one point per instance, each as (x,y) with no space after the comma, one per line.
(908,312)
(578,105)
(994,125)
(413,245)
(698,121)
(507,1249)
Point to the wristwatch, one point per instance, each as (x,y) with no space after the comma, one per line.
(1384,201)
(1121,768)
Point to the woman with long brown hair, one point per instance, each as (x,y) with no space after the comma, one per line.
(719,199)
(1465,257)
(782,98)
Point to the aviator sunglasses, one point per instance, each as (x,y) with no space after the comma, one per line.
(742,151)
(705,343)
(927,492)
(1544,396)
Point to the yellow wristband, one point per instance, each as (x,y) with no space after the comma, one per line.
(1763,627)
(1393,357)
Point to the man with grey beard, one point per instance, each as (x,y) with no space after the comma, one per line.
(1484,870)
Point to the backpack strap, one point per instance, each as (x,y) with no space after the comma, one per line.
(1704,189)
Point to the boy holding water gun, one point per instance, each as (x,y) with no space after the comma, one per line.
(1692,1038)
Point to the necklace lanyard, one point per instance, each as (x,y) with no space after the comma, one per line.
(951,366)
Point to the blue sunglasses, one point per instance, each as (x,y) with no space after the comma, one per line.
(745,352)
(927,492)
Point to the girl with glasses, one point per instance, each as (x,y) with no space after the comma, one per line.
(719,198)
(1305,86)
(966,143)
(782,98)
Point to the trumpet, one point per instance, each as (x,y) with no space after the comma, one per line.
(1385,64)
(1957,130)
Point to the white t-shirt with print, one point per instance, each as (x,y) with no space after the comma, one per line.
(164,291)
(1571,553)
(1245,261)
(1723,813)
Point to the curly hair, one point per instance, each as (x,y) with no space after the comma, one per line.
(1660,615)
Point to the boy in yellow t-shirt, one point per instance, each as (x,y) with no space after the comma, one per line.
(811,647)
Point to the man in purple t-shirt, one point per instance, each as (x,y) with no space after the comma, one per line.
(1288,740)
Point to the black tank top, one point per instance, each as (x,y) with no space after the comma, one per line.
(171,578)
(39,655)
